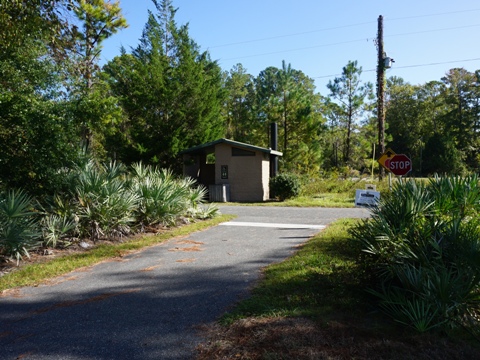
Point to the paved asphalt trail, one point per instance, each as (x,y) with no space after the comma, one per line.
(148,305)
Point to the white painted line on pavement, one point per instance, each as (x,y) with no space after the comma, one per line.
(274,225)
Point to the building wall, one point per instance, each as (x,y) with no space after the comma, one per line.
(247,175)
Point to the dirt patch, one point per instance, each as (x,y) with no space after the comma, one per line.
(191,242)
(299,338)
(186,260)
(60,279)
(151,268)
(187,249)
(15,293)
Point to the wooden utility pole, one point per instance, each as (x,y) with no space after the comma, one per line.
(380,93)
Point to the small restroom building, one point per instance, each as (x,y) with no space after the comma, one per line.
(231,170)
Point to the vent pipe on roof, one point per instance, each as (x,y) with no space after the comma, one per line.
(273,146)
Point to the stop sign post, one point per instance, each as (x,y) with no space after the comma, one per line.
(399,164)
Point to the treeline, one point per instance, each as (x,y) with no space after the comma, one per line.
(437,123)
(166,94)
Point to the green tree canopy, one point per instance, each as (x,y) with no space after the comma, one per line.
(287,96)
(350,96)
(239,107)
(170,91)
(34,136)
(436,123)
(93,107)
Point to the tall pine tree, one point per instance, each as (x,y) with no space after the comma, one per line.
(239,106)
(171,92)
(286,96)
(94,109)
(350,96)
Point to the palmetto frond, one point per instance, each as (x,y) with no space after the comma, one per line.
(19,228)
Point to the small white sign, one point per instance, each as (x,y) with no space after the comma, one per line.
(366,198)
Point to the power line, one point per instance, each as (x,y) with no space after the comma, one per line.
(338,27)
(436,63)
(349,42)
(297,49)
(289,35)
(435,30)
(430,15)
(405,67)
(332,75)
(358,40)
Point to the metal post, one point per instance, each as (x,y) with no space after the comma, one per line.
(273,146)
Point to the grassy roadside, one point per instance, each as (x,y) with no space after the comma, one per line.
(327,192)
(313,306)
(343,200)
(291,288)
(36,273)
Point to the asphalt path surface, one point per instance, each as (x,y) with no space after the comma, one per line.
(150,304)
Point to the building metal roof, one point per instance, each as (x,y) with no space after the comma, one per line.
(209,147)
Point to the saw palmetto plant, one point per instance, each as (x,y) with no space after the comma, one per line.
(19,228)
(422,246)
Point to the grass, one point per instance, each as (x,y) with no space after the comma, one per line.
(328,200)
(330,192)
(291,288)
(320,200)
(314,306)
(36,273)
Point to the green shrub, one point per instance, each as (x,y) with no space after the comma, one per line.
(57,230)
(284,186)
(422,246)
(101,201)
(163,198)
(19,228)
(333,183)
(105,204)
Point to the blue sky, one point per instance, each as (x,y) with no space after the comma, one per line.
(425,37)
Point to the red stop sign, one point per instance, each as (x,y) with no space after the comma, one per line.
(399,164)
